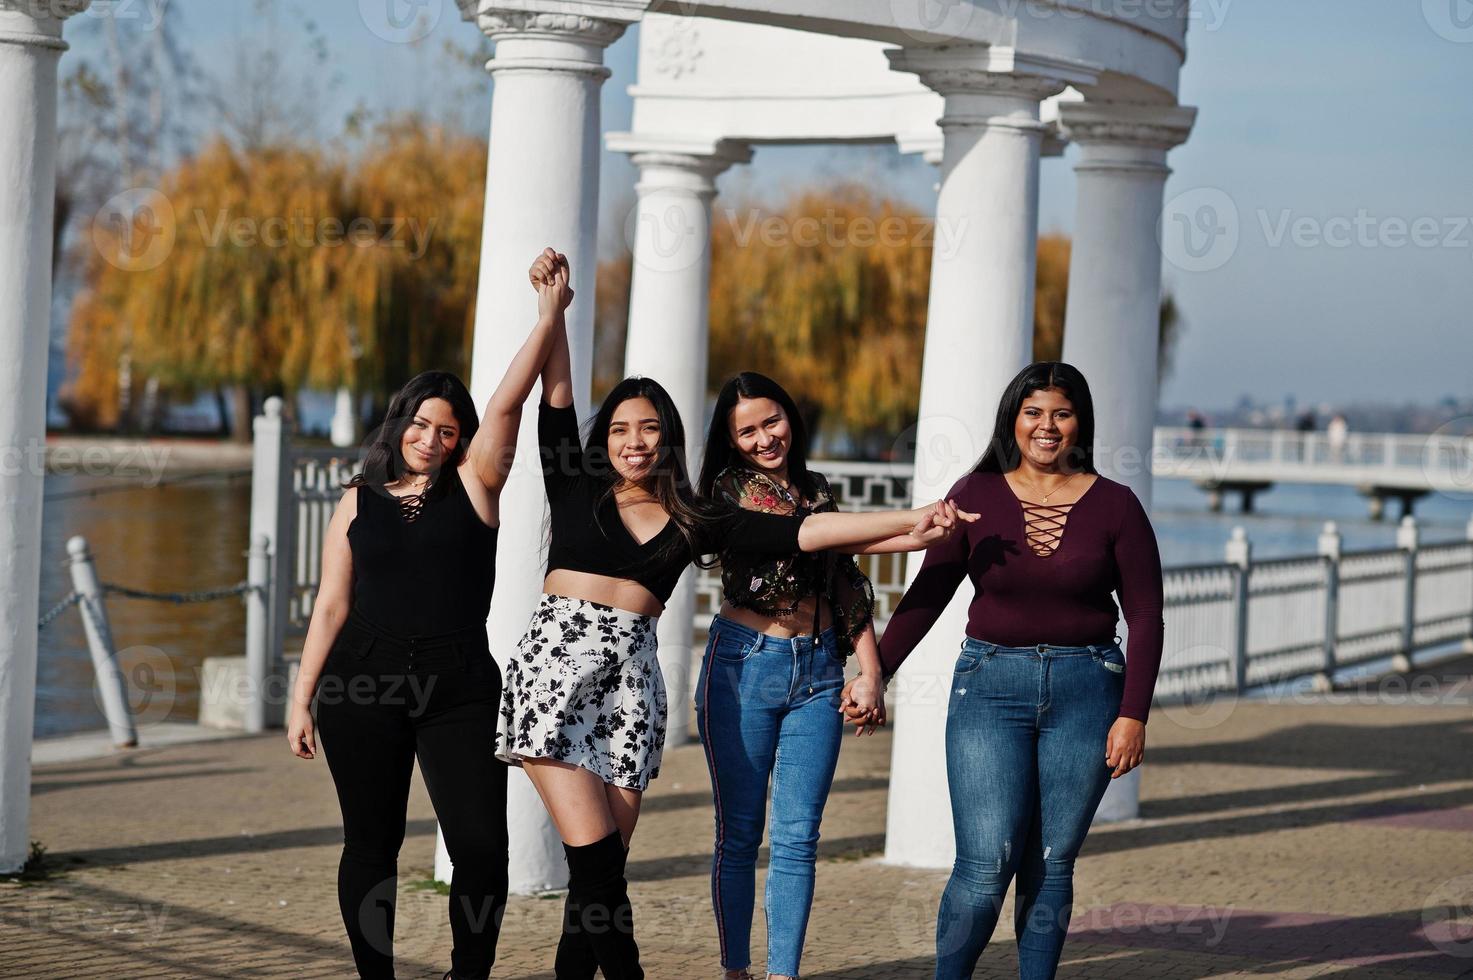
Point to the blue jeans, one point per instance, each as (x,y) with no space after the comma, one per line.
(1025,759)
(767,707)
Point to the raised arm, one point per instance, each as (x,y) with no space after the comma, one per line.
(557,370)
(495,444)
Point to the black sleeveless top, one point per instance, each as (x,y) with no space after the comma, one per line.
(425,576)
(588,535)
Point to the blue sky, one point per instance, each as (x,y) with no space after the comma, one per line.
(1328,130)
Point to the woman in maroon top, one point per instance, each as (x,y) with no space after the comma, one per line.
(1043,709)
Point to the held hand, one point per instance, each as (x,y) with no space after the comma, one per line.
(939,521)
(550,275)
(300,733)
(1125,746)
(862,703)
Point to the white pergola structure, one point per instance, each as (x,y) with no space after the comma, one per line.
(972,84)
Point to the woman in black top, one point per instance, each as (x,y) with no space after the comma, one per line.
(397,654)
(584,704)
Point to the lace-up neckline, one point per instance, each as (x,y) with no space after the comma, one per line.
(411,505)
(1044,525)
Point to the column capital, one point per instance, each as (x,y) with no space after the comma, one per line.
(986,85)
(543,40)
(983,69)
(37,22)
(1125,137)
(691,161)
(1158,127)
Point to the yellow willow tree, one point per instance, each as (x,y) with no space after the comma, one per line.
(827,294)
(291,270)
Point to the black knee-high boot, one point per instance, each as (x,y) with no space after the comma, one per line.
(575,959)
(597,889)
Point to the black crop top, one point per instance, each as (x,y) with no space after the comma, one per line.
(588,535)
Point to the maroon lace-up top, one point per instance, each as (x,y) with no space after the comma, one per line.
(1036,581)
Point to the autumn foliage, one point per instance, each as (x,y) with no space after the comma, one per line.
(290,269)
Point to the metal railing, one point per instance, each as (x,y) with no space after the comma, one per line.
(1229,626)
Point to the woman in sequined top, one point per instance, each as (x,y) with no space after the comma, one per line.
(770,696)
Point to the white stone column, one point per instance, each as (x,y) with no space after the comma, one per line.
(541,189)
(1112,320)
(30,46)
(979,334)
(669,302)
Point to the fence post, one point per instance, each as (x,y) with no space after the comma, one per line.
(1468,640)
(258,622)
(1329,548)
(269,510)
(110,684)
(1239,553)
(1406,540)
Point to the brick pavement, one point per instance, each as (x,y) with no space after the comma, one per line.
(1293,840)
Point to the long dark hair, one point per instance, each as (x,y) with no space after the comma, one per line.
(382,461)
(720,453)
(668,480)
(1003,455)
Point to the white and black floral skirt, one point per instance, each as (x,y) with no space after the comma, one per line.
(584,687)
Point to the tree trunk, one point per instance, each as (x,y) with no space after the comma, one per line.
(241,413)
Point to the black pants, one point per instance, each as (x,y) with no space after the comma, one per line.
(384,701)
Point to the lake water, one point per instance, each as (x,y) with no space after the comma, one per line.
(192,536)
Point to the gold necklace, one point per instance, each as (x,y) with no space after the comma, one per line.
(1044,496)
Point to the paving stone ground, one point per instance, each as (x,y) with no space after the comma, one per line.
(1327,837)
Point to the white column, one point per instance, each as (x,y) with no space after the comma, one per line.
(979,334)
(30,46)
(541,189)
(669,299)
(1112,320)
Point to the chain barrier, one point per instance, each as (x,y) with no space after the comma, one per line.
(108,588)
(71,600)
(239,588)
